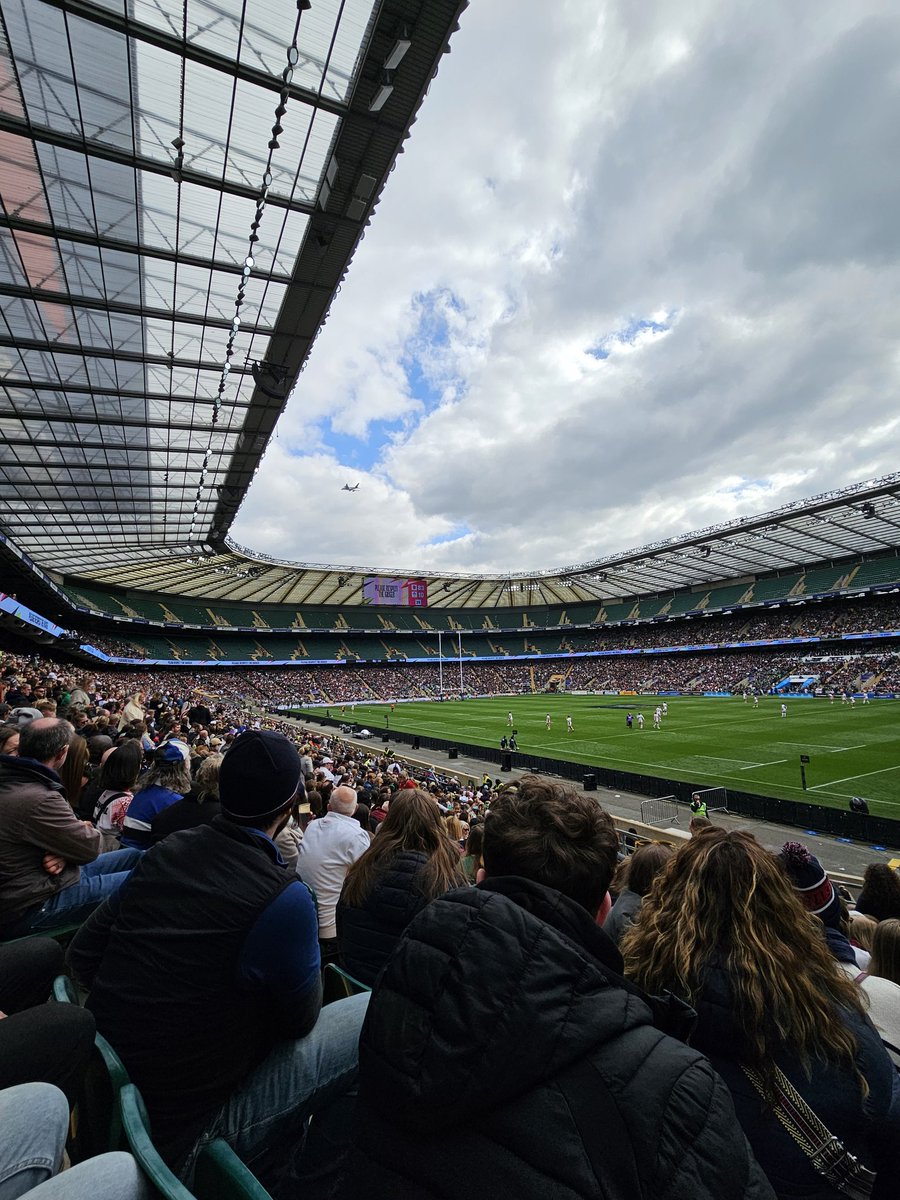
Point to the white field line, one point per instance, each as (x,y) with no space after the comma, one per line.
(722,758)
(847,778)
(768,764)
(819,746)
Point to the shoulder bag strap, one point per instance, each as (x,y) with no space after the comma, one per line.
(827,1154)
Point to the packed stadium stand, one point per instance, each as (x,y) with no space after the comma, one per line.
(184,186)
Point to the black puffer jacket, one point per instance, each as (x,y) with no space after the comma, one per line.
(504,1055)
(368,934)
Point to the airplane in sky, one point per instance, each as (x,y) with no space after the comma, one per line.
(348,488)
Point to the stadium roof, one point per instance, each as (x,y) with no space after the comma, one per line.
(863,520)
(182,186)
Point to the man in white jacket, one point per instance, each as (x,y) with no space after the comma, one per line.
(329,849)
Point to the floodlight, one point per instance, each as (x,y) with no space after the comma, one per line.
(400,48)
(385,88)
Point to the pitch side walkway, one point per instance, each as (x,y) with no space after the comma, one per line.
(835,853)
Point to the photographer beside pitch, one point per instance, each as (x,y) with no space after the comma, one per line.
(503,1050)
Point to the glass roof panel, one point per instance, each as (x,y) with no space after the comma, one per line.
(37,38)
(102,216)
(10,97)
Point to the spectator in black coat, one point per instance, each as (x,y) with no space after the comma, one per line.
(411,861)
(503,1051)
(880,895)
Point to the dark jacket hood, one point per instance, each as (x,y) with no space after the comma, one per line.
(28,770)
(480,974)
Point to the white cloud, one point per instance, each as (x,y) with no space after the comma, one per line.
(578,169)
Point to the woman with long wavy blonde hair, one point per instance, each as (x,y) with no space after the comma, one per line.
(723,929)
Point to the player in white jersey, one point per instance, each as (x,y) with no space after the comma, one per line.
(853,702)
(570,728)
(548,721)
(865,697)
(640,720)
(756,701)
(784,710)
(657,717)
(509,718)
(665,709)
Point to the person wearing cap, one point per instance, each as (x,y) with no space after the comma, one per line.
(329,849)
(818,896)
(204,974)
(167,781)
(52,871)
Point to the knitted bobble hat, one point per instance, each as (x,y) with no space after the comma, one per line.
(815,889)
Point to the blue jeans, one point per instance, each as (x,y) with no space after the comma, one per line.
(75,904)
(265,1121)
(34,1118)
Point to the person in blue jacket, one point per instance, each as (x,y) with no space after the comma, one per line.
(167,781)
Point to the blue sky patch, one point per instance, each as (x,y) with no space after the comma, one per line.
(628,335)
(428,363)
(458,531)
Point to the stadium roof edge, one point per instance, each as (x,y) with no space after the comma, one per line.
(861,521)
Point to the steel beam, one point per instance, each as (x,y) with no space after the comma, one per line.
(123,246)
(100,304)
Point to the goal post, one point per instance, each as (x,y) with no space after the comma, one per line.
(715,799)
(663,811)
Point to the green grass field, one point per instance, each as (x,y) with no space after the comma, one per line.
(717,741)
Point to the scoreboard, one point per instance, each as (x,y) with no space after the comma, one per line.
(405,593)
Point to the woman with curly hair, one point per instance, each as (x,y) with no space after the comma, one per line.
(724,930)
(880,895)
(411,861)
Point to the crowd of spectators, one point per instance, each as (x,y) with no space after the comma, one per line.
(790,619)
(186,831)
(47,684)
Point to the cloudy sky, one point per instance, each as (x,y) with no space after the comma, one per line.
(637,272)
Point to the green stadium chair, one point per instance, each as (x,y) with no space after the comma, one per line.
(62,934)
(96,1125)
(337,984)
(133,1115)
(220,1175)
(64,991)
